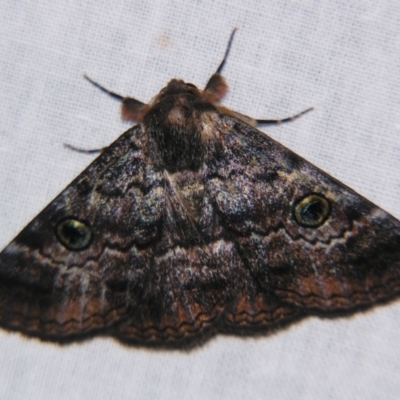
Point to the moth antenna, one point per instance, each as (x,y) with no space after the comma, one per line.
(281,121)
(216,87)
(228,48)
(103,89)
(85,151)
(131,108)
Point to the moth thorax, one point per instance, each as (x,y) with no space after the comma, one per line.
(182,132)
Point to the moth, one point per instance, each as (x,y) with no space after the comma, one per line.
(194,222)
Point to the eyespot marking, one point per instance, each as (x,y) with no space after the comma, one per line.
(74,234)
(311,210)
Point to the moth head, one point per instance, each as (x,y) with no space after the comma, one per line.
(176,87)
(176,95)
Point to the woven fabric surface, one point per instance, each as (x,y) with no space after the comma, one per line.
(341,57)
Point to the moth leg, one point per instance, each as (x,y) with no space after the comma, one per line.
(216,85)
(131,108)
(281,121)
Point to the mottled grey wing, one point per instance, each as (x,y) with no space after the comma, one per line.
(109,254)
(253,238)
(307,241)
(65,273)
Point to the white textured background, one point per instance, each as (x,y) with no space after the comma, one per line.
(343,57)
